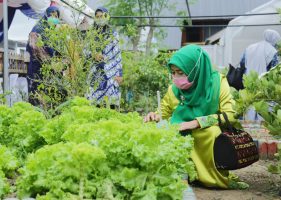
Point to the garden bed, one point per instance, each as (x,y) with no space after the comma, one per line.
(263,185)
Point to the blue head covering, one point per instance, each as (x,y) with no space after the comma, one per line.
(52,9)
(41,25)
(106,14)
(102,9)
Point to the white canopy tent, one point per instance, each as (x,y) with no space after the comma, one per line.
(236,39)
(70,14)
(28,11)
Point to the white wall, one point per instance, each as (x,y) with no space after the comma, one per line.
(216,53)
(21,27)
(174,34)
(236,39)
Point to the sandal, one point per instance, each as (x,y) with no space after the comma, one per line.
(238,185)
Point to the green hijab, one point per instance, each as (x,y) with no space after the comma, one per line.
(202,98)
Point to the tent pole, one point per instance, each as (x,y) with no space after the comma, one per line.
(6,53)
(189,21)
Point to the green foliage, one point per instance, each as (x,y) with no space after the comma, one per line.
(4,186)
(8,165)
(264,94)
(129,8)
(106,155)
(61,170)
(276,169)
(70,72)
(143,76)
(131,27)
(142,158)
(19,127)
(3,97)
(54,128)
(8,162)
(25,130)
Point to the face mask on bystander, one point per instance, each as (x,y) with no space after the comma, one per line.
(53,20)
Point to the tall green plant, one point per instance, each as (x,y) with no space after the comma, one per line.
(143,76)
(264,94)
(128,8)
(70,72)
(141,8)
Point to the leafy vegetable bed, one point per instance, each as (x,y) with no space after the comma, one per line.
(90,153)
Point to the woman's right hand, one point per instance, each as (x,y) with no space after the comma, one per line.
(32,40)
(152,116)
(99,57)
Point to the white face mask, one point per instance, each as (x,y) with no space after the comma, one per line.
(101,22)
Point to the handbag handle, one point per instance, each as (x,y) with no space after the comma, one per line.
(228,124)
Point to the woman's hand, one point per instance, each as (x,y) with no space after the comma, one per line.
(119,79)
(189,125)
(33,38)
(151,117)
(99,57)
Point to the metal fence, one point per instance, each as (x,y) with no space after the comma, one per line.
(17,62)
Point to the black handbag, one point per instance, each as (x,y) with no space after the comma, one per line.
(233,148)
(235,76)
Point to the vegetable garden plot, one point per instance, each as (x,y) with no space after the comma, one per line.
(91,153)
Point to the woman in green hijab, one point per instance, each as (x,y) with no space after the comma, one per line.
(197,94)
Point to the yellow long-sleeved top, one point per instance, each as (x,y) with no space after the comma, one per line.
(204,137)
(170,102)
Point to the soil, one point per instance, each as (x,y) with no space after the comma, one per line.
(263,185)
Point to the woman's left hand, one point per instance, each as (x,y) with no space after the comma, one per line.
(119,79)
(189,125)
